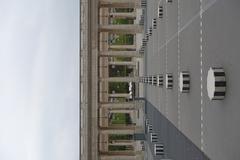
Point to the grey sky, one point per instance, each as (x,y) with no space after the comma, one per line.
(39,76)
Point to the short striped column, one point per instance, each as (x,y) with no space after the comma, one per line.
(154,23)
(153,137)
(160,80)
(154,80)
(169,1)
(158,149)
(141,79)
(143,3)
(147,122)
(216,83)
(184,82)
(149,128)
(169,81)
(160,11)
(144,79)
(150,80)
(144,42)
(141,51)
(150,31)
(147,36)
(141,21)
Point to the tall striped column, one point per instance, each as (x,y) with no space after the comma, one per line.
(169,81)
(184,82)
(216,83)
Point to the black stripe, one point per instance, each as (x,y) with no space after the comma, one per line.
(185,88)
(185,75)
(220,83)
(218,74)
(186,82)
(219,94)
(170,80)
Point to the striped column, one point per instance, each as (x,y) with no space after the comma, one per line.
(184,82)
(216,83)
(140,80)
(147,36)
(144,42)
(160,11)
(153,137)
(160,80)
(154,23)
(147,122)
(154,80)
(143,3)
(150,31)
(150,80)
(146,79)
(158,149)
(149,128)
(169,81)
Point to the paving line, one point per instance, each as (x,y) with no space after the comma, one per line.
(201,73)
(210,4)
(166,56)
(158,52)
(178,53)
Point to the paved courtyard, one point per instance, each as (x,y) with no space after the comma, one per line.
(193,36)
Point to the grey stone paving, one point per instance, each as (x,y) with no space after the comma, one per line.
(211,125)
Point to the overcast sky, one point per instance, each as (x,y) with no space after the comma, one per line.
(39,76)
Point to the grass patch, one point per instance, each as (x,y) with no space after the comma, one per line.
(119,118)
(118,87)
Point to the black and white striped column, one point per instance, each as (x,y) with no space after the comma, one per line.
(150,31)
(141,51)
(184,82)
(147,36)
(158,149)
(169,81)
(143,3)
(160,11)
(153,137)
(150,80)
(147,122)
(216,83)
(154,80)
(154,23)
(149,128)
(160,80)
(144,42)
(144,80)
